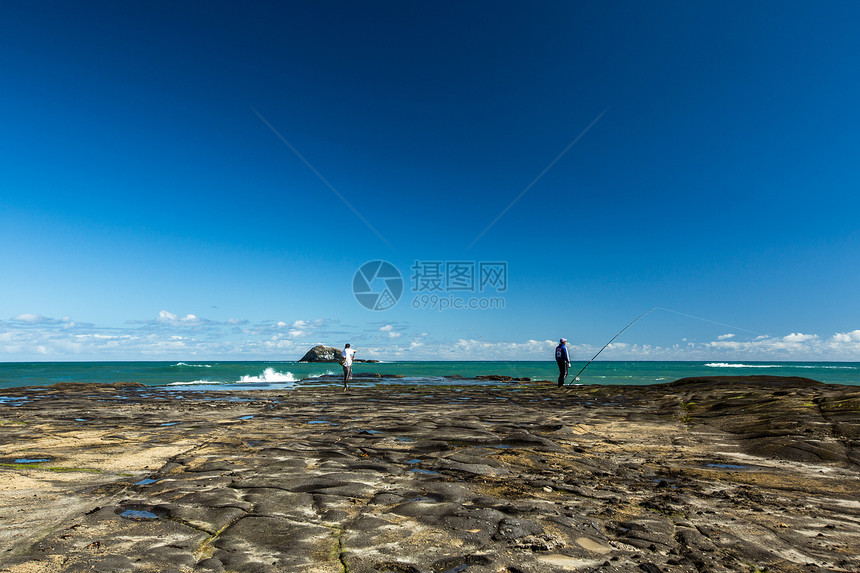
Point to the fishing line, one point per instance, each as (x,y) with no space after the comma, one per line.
(708,320)
(576,378)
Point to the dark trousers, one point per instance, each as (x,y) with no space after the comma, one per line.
(347,374)
(562,371)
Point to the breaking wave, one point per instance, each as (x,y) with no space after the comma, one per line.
(267,376)
(727,365)
(808,366)
(270,375)
(326,373)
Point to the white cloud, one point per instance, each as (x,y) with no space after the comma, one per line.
(27,317)
(846,337)
(389,328)
(798,337)
(471,349)
(164,316)
(168,337)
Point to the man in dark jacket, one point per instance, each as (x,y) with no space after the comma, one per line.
(562,358)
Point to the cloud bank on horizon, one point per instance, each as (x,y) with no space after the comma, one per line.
(169,336)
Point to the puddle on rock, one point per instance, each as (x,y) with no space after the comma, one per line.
(32,460)
(170,423)
(147,481)
(593,546)
(728,466)
(140,512)
(566,563)
(251,417)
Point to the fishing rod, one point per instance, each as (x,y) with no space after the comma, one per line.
(576,378)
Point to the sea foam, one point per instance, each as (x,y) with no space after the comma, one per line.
(807,366)
(727,365)
(326,373)
(270,375)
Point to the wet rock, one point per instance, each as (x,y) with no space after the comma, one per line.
(210,565)
(760,381)
(511,528)
(645,532)
(700,476)
(386,498)
(475,469)
(269,544)
(458,564)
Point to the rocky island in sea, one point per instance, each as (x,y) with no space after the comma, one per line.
(703,474)
(323,353)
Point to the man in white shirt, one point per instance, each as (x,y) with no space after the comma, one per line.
(347,355)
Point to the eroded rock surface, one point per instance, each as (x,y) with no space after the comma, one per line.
(695,476)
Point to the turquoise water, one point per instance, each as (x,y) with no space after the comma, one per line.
(285,375)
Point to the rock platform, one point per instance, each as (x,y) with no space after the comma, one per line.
(698,475)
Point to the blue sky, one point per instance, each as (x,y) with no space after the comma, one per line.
(204,179)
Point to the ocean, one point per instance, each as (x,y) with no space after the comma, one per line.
(211,375)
